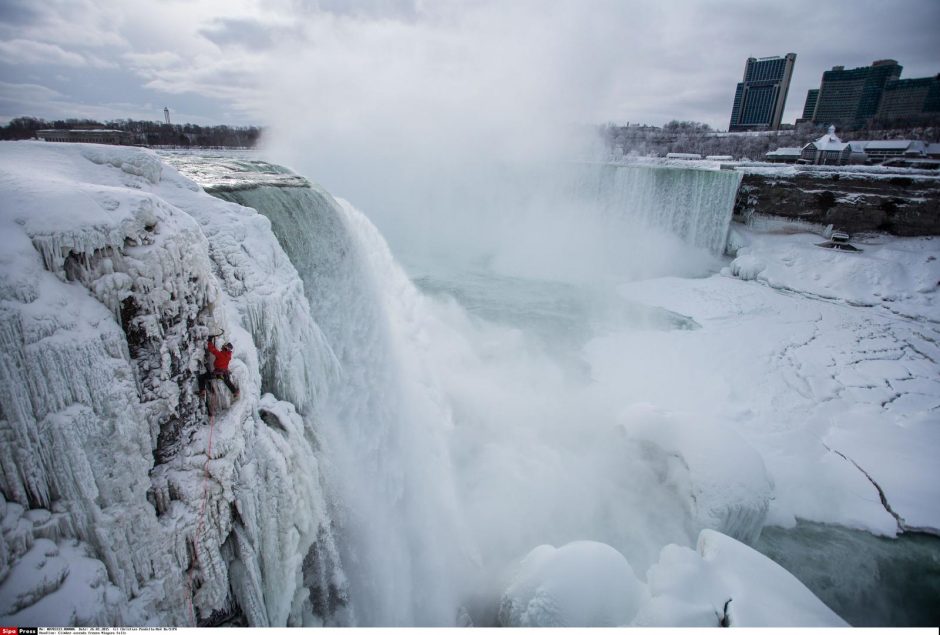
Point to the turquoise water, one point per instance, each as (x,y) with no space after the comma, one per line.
(562,316)
(866,579)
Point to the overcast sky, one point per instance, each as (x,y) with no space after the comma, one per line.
(352,63)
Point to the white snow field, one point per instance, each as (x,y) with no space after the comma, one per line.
(477,449)
(826,362)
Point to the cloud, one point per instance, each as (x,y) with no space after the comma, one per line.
(430,62)
(74,25)
(30,52)
(25,99)
(404,10)
(248,33)
(28,92)
(19,12)
(149,61)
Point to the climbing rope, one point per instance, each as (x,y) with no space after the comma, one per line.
(202,517)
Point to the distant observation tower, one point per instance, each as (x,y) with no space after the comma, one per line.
(166,114)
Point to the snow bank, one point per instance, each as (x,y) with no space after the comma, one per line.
(746,267)
(48,578)
(580,584)
(692,588)
(115,268)
(901,274)
(826,363)
(591,584)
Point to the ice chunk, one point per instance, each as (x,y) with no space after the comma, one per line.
(747,267)
(580,584)
(693,588)
(736,242)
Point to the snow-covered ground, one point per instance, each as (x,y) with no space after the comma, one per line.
(827,362)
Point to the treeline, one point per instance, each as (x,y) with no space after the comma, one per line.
(149,133)
(700,138)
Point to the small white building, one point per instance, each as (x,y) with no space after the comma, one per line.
(831,150)
(783,155)
(687,156)
(826,150)
(878,151)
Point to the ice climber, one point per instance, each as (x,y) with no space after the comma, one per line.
(219,368)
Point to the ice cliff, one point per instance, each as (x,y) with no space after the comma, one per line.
(114,270)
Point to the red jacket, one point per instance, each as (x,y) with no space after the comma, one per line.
(222,358)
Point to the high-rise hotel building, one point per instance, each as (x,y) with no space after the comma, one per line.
(849,98)
(759,99)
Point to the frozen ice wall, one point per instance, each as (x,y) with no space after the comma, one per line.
(122,502)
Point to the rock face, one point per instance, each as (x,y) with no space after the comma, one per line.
(899,205)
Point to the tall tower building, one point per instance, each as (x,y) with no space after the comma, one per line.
(812,96)
(759,100)
(849,98)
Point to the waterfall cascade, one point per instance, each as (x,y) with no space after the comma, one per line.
(382,432)
(693,204)
(388,418)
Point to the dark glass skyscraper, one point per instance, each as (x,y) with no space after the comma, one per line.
(759,100)
(910,98)
(812,96)
(849,98)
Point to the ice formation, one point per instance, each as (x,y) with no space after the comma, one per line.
(577,584)
(723,582)
(115,270)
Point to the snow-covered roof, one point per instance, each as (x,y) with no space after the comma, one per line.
(890,144)
(933,148)
(785,152)
(829,142)
(719,157)
(858,146)
(683,155)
